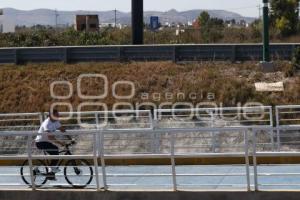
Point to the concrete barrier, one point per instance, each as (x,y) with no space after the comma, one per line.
(93,195)
(181,161)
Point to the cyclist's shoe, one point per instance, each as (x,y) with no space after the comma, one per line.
(36,171)
(51,176)
(54,170)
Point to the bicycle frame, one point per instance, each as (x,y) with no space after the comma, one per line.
(66,152)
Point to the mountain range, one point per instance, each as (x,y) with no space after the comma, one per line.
(49,17)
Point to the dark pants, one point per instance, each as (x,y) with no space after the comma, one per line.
(50,149)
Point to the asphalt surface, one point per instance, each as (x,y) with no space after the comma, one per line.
(231,177)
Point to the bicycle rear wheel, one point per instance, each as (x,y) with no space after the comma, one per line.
(40,171)
(78,173)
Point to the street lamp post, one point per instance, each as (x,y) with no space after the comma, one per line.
(267,66)
(266,41)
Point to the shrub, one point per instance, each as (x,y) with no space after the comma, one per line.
(296,58)
(291,69)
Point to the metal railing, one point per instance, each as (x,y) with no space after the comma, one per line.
(101,151)
(287,139)
(168,134)
(201,52)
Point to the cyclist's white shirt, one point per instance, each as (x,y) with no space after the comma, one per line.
(47,128)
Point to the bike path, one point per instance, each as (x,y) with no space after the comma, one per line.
(159,178)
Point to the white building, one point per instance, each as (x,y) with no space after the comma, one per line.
(112,25)
(7,25)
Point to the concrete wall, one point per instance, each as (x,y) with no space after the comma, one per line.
(92,195)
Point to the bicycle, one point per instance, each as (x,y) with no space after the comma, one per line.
(78,169)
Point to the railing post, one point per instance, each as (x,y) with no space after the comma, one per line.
(277,129)
(66,55)
(101,153)
(97,121)
(155,136)
(29,152)
(233,53)
(272,131)
(41,117)
(174,54)
(45,115)
(246,145)
(255,161)
(293,48)
(173,162)
(16,57)
(272,140)
(121,52)
(95,142)
(213,134)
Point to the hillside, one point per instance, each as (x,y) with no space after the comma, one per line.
(27,88)
(47,17)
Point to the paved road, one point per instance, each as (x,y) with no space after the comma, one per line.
(140,177)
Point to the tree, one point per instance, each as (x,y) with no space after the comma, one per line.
(256,29)
(296,58)
(203,19)
(211,28)
(285,16)
(216,22)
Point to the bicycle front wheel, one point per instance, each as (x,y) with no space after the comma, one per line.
(40,172)
(78,173)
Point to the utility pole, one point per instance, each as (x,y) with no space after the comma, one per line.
(56,18)
(115,18)
(259,11)
(86,23)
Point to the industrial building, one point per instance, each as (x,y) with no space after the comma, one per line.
(89,23)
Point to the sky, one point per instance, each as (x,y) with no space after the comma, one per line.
(247,8)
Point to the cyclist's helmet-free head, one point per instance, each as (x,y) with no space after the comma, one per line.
(54,115)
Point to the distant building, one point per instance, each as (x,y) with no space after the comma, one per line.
(7,25)
(189,23)
(89,23)
(236,24)
(111,25)
(243,23)
(154,23)
(167,25)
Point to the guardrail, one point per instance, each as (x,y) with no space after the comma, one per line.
(186,137)
(175,53)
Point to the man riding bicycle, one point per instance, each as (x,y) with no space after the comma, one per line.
(47,141)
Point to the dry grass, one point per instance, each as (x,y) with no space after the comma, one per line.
(27,88)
